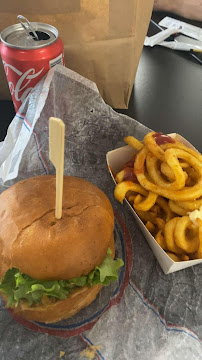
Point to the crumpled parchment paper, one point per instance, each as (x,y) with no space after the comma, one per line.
(146,314)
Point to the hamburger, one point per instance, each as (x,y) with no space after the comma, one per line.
(50,269)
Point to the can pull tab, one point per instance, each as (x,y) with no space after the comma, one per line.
(27,26)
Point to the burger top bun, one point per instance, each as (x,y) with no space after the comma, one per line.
(36,243)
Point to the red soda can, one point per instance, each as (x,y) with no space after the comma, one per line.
(28,51)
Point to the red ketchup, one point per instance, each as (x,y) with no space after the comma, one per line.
(161,139)
(130,163)
(129,175)
(129,170)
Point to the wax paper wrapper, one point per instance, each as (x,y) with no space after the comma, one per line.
(145,314)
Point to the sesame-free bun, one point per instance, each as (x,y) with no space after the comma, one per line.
(52,312)
(36,243)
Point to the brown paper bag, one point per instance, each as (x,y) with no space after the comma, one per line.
(103,39)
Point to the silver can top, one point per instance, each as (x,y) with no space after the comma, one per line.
(28,36)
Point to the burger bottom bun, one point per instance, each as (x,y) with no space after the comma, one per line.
(61,309)
(51,312)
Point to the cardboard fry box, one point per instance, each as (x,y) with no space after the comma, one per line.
(115,161)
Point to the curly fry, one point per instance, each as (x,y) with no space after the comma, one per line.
(173,256)
(164,205)
(146,216)
(160,240)
(150,142)
(146,204)
(178,145)
(150,227)
(198,254)
(184,164)
(182,241)
(160,223)
(153,171)
(169,236)
(120,176)
(191,204)
(131,198)
(167,171)
(192,175)
(155,210)
(177,195)
(122,188)
(133,142)
(184,257)
(176,208)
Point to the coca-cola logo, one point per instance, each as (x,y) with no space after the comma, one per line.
(22,83)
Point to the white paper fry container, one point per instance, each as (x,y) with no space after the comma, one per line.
(115,161)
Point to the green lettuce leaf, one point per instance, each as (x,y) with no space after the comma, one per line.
(19,286)
(106,272)
(7,285)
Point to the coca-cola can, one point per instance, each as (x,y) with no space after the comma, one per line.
(28,51)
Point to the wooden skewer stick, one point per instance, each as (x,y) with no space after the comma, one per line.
(56,156)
